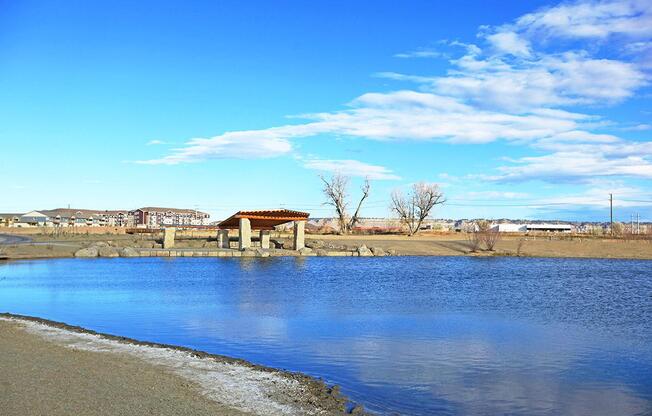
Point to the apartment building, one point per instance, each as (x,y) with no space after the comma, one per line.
(153,217)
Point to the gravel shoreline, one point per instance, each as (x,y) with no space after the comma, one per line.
(52,368)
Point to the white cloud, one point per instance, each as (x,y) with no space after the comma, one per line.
(155,142)
(597,195)
(590,19)
(573,166)
(400,115)
(512,91)
(410,115)
(547,81)
(491,195)
(420,53)
(237,145)
(352,168)
(638,127)
(510,42)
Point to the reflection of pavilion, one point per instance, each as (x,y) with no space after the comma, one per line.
(264,221)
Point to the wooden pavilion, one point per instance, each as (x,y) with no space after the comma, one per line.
(264,221)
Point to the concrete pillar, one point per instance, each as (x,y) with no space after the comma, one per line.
(299,235)
(223,239)
(264,239)
(168,237)
(244,234)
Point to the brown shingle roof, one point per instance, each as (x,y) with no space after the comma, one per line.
(264,219)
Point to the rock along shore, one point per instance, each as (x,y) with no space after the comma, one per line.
(103,249)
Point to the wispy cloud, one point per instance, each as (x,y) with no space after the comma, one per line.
(155,142)
(421,53)
(491,195)
(580,164)
(510,87)
(510,43)
(593,19)
(638,127)
(351,168)
(235,145)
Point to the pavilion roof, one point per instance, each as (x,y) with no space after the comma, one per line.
(264,219)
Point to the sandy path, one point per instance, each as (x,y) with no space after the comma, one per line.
(49,370)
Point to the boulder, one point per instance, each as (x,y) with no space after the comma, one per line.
(363,251)
(305,250)
(100,244)
(248,252)
(378,251)
(129,252)
(315,244)
(87,252)
(108,252)
(392,252)
(333,253)
(262,253)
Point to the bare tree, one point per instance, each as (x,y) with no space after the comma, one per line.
(473,239)
(336,194)
(416,207)
(491,238)
(365,193)
(519,246)
(487,235)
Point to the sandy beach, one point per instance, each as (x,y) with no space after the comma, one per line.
(48,368)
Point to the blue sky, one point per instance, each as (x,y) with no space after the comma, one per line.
(517,109)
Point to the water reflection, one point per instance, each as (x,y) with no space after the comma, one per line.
(448,336)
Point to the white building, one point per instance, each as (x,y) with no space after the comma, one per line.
(509,228)
(551,228)
(32,219)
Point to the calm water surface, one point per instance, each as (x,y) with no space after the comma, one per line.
(401,335)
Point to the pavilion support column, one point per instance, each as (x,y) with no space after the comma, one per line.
(299,235)
(223,239)
(168,237)
(245,234)
(264,239)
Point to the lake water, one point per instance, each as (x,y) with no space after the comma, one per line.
(401,335)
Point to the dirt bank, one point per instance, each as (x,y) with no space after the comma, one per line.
(54,369)
(451,244)
(531,246)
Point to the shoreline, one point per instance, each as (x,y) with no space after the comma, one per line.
(470,255)
(436,245)
(236,386)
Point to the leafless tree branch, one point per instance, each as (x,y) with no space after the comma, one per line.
(416,207)
(336,194)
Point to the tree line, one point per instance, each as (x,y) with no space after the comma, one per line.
(412,208)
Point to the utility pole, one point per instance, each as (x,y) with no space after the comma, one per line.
(611,214)
(631,223)
(638,224)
